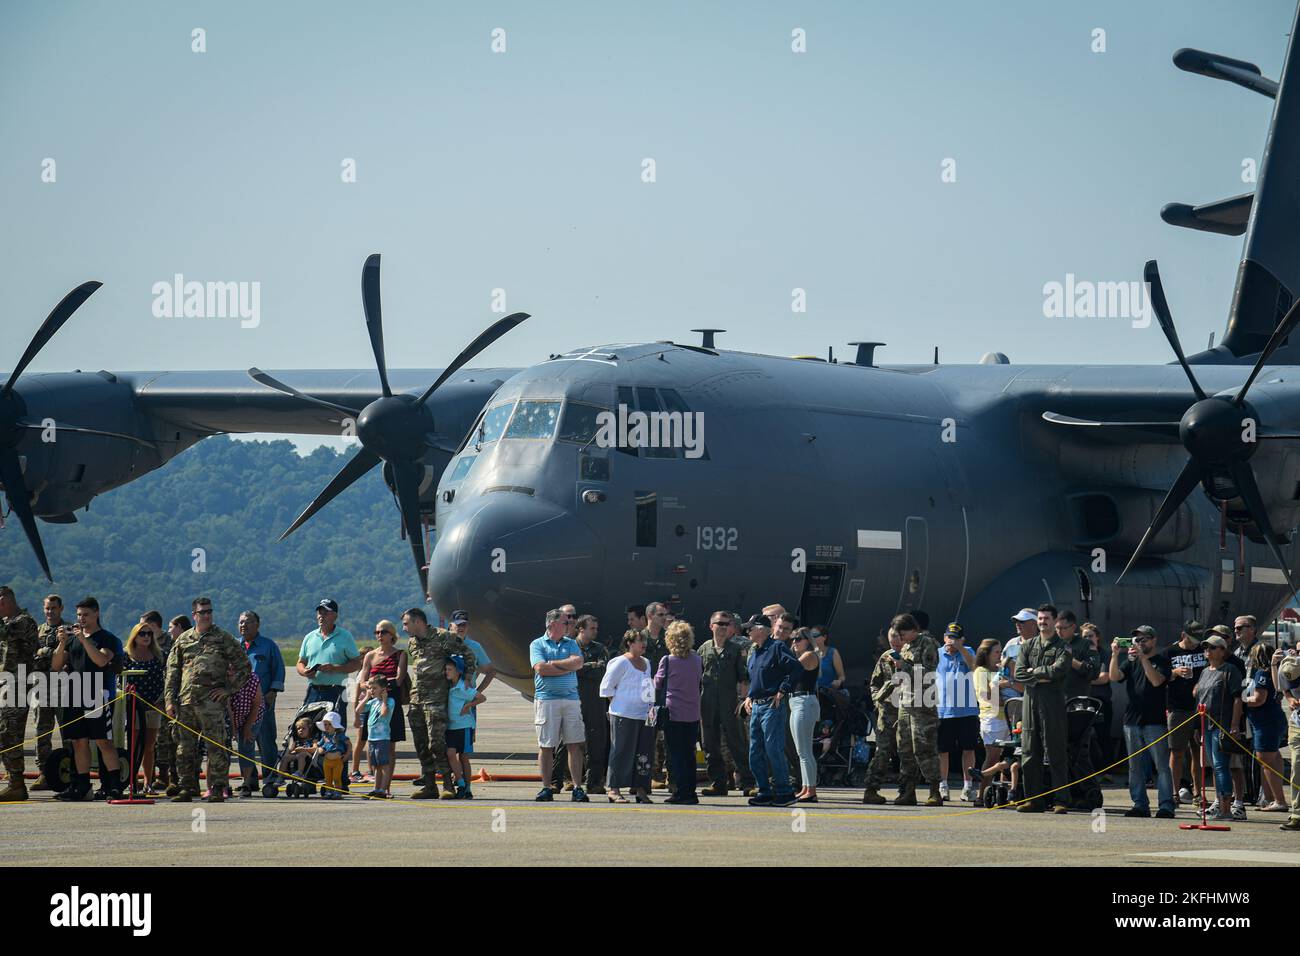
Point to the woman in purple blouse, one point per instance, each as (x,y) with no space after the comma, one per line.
(679,674)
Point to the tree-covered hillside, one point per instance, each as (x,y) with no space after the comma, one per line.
(134,548)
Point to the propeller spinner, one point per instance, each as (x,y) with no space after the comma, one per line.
(393,429)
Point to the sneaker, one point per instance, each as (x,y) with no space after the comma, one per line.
(580,795)
(748,792)
(356,777)
(1164,814)
(1137,812)
(1185,795)
(783,801)
(544,795)
(1238,812)
(1221,814)
(968,793)
(943,789)
(760,800)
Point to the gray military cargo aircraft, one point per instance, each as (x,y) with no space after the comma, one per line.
(848,490)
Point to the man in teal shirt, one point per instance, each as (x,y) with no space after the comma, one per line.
(327,656)
(557,711)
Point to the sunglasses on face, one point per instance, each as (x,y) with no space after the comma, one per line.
(203,610)
(144,633)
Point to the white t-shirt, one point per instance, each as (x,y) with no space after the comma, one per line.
(631,691)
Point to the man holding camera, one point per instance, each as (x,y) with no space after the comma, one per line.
(1147,674)
(90,653)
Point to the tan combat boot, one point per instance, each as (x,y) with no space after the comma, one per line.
(873,796)
(17,789)
(906,796)
(428,792)
(936,797)
(41,783)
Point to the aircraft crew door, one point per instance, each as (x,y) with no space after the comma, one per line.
(916,564)
(821,594)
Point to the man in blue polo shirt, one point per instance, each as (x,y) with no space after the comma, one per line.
(557,711)
(268,665)
(327,656)
(772,669)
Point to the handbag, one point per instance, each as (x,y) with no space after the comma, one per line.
(659,715)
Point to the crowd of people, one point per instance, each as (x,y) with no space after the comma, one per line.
(625,717)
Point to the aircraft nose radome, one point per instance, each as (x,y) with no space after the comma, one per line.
(508,563)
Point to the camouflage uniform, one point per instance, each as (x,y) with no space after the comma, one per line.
(197,665)
(18,645)
(882,694)
(918,725)
(428,658)
(164,747)
(47,715)
(724,672)
(415,715)
(1044,733)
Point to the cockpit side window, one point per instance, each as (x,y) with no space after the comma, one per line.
(534,420)
(579,423)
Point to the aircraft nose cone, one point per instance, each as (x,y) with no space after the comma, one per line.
(508,562)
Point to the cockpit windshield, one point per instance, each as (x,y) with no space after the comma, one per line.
(494,423)
(534,420)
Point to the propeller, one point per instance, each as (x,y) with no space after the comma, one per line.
(12,425)
(393,429)
(1212,432)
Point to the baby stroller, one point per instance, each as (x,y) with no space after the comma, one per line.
(305,786)
(999,792)
(837,738)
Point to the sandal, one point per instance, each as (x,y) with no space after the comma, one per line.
(616,798)
(1274,807)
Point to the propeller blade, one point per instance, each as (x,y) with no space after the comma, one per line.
(360,463)
(1152,275)
(11,473)
(86,430)
(53,322)
(1243,476)
(257,375)
(1163,428)
(493,332)
(1284,329)
(1186,482)
(374,318)
(1273,434)
(406,478)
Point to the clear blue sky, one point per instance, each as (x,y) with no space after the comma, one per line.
(522,171)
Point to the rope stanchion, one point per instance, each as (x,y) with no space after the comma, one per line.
(1203,825)
(132,702)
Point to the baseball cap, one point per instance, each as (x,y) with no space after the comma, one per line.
(1145,630)
(1289,669)
(954,630)
(1222,630)
(1216,641)
(1194,628)
(458,616)
(758,620)
(1025,614)
(458,661)
(328,604)
(332,721)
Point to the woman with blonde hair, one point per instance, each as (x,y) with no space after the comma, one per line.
(677,686)
(143,721)
(387,661)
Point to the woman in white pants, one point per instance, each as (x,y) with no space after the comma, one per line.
(629,684)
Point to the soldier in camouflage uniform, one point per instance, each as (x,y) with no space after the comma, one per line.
(47,715)
(724,683)
(205,668)
(18,643)
(1043,665)
(428,651)
(918,713)
(884,692)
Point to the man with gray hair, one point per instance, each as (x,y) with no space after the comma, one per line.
(557,709)
(268,665)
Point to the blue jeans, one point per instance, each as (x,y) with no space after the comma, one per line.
(805,711)
(1219,758)
(767,748)
(332,693)
(1139,767)
(264,742)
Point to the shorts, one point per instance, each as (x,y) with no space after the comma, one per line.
(1185,736)
(85,728)
(958,733)
(993,729)
(558,720)
(1269,737)
(379,752)
(457,739)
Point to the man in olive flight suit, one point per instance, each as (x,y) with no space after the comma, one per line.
(884,692)
(1042,667)
(724,683)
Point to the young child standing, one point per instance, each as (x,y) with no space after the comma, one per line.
(335,747)
(462,698)
(378,713)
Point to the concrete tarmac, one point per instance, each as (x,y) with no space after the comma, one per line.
(503,826)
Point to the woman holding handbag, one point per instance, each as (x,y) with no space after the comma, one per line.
(630,686)
(677,686)
(387,661)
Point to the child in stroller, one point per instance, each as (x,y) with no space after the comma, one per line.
(300,762)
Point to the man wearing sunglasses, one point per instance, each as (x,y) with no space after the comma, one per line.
(725,682)
(1145,672)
